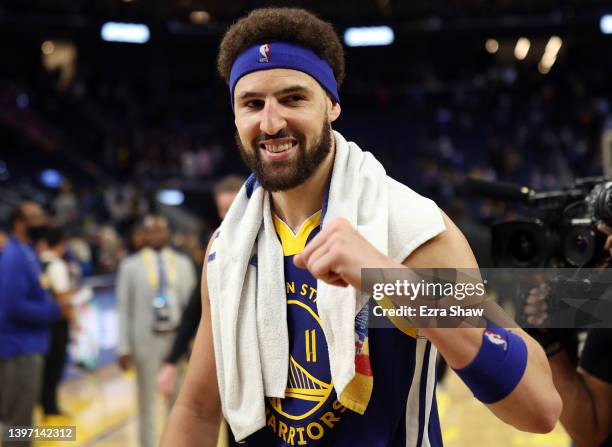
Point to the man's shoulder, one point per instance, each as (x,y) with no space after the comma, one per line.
(131,260)
(408,196)
(181,257)
(52,260)
(413,220)
(12,253)
(56,264)
(447,249)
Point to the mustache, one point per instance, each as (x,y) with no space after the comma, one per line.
(283,133)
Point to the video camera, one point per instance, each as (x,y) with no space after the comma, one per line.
(564,234)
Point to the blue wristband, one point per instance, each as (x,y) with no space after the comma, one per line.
(498,367)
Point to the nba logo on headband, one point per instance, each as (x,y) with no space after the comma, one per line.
(264,53)
(286,55)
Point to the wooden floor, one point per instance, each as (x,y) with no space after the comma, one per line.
(102,406)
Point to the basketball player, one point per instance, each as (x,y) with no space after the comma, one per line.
(283,116)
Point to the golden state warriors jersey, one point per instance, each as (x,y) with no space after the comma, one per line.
(402,407)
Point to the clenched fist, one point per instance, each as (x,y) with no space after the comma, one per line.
(338,253)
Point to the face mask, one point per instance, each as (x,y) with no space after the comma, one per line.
(37,233)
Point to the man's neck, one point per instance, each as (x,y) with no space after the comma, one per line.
(296,205)
(21,238)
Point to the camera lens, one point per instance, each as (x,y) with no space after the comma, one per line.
(523,246)
(523,243)
(579,245)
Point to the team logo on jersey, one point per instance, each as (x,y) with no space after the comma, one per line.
(309,408)
(264,53)
(305,392)
(496,338)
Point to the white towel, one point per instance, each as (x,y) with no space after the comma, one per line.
(247,290)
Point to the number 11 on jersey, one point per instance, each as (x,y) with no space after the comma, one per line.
(311,345)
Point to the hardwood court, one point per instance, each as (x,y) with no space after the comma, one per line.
(103,407)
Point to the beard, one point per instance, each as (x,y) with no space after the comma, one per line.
(284,175)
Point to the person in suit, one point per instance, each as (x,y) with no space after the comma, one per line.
(153,286)
(224,193)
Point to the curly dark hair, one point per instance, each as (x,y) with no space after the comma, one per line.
(292,25)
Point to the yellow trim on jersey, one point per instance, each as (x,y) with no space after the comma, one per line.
(357,393)
(294,243)
(399,322)
(307,309)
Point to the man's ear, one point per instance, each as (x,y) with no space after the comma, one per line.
(333,112)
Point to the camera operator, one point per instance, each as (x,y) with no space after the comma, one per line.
(585,385)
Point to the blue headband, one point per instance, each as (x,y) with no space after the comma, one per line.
(283,55)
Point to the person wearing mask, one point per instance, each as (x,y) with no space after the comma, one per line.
(153,286)
(27,312)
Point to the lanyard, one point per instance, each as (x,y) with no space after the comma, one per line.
(151,263)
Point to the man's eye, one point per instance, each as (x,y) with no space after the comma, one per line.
(294,98)
(254,104)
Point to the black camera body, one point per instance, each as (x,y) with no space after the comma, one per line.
(565,235)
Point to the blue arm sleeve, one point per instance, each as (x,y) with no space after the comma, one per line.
(498,367)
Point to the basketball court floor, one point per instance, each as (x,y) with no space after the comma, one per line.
(102,405)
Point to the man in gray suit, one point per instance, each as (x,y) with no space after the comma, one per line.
(153,286)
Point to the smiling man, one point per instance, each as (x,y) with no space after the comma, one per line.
(283,348)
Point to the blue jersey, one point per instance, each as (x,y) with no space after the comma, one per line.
(402,409)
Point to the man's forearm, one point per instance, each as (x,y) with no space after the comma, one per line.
(458,346)
(579,416)
(187,427)
(533,405)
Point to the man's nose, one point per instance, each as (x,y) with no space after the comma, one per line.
(272,120)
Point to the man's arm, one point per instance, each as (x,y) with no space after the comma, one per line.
(587,414)
(59,278)
(338,253)
(190,320)
(196,415)
(191,281)
(534,405)
(14,289)
(124,309)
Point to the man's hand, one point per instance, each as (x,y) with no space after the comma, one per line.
(66,309)
(338,253)
(125,361)
(166,380)
(608,232)
(536,307)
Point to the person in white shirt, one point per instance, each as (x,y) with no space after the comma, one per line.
(57,280)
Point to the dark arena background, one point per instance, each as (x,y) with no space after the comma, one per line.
(102,123)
